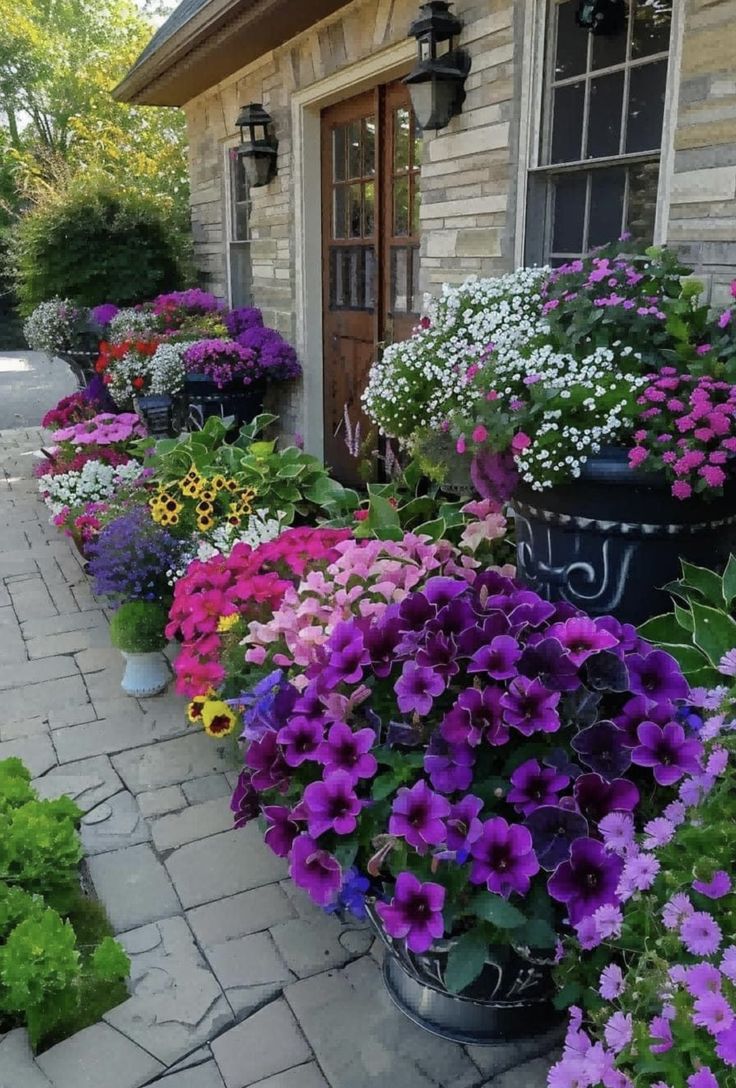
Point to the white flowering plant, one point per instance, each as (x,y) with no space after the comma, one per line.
(57,326)
(94,482)
(146,367)
(131,323)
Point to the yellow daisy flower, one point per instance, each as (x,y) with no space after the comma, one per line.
(218,719)
(225,623)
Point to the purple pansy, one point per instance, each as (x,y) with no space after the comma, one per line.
(503,858)
(667,751)
(418,816)
(586,881)
(332,805)
(534,786)
(315,870)
(414,913)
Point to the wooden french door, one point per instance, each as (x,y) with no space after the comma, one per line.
(371,156)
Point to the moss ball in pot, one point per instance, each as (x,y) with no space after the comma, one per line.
(137,630)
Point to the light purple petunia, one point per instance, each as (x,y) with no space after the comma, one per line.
(720,884)
(619,1031)
(587,881)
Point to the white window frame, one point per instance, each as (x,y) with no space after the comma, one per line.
(229,210)
(533,71)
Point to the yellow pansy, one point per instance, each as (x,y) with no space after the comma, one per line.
(208,495)
(204,507)
(232,485)
(194,709)
(218,719)
(205,522)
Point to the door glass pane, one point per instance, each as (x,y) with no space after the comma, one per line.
(604,119)
(369,209)
(369,255)
(369,146)
(646,106)
(401,206)
(651,30)
(399,280)
(569,213)
(642,203)
(567,126)
(415,300)
(354,149)
(418,146)
(355,224)
(338,152)
(240,185)
(339,209)
(606,206)
(242,222)
(572,42)
(401,140)
(416,205)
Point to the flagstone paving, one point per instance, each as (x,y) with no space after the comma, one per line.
(237,980)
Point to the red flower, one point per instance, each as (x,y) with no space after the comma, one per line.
(138,383)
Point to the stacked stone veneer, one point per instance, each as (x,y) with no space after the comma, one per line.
(702,222)
(468,178)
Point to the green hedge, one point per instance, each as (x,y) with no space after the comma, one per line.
(95,242)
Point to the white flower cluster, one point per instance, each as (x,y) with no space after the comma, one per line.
(127,324)
(162,372)
(94,482)
(54,326)
(221,541)
(416,383)
(583,406)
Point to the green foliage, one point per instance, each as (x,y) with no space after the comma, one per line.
(138,627)
(287,482)
(701,629)
(55,977)
(95,241)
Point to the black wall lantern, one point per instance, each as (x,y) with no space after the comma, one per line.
(605,17)
(259,147)
(437,83)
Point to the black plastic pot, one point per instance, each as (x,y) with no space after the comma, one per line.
(205,399)
(511,998)
(610,540)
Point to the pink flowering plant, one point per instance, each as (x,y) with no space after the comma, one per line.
(656,977)
(453,751)
(105,437)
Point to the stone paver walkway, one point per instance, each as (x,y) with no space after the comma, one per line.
(237,980)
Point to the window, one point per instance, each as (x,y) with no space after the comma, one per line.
(601,132)
(239,232)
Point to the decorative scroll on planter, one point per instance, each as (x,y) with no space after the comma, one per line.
(510,999)
(610,541)
(205,399)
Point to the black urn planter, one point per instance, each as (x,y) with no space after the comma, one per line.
(205,399)
(609,541)
(511,999)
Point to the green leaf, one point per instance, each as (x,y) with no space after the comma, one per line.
(536,934)
(714,632)
(570,994)
(705,678)
(729,580)
(384,785)
(689,658)
(466,960)
(496,909)
(109,961)
(684,617)
(435,530)
(346,852)
(704,580)
(659,628)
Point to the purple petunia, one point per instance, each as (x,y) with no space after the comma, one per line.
(245,802)
(414,913)
(534,786)
(315,870)
(657,676)
(587,881)
(667,751)
(597,798)
(449,766)
(529,707)
(417,688)
(418,815)
(463,826)
(345,750)
(553,830)
(331,805)
(282,829)
(601,748)
(660,1033)
(582,637)
(475,716)
(503,858)
(300,740)
(497,659)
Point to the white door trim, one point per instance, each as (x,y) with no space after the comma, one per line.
(306,106)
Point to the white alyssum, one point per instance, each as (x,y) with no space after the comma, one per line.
(54,325)
(417,383)
(162,372)
(128,323)
(94,482)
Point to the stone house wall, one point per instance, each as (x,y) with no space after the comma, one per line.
(469,172)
